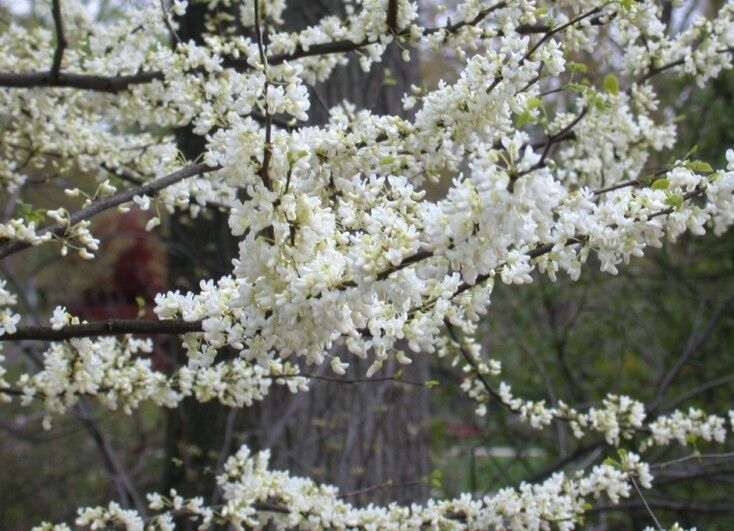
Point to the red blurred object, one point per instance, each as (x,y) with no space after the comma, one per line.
(462,431)
(132,269)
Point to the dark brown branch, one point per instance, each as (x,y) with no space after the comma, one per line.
(167,22)
(352,381)
(110,327)
(111,84)
(667,504)
(104,204)
(565,133)
(549,34)
(453,28)
(61,43)
(707,386)
(652,72)
(386,485)
(726,456)
(268,146)
(619,186)
(468,358)
(114,84)
(392,16)
(129,494)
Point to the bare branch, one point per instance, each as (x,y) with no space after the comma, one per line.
(392,16)
(111,84)
(109,327)
(654,71)
(644,502)
(129,495)
(352,381)
(61,43)
(695,341)
(268,146)
(114,84)
(167,22)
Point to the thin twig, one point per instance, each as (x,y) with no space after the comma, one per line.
(644,502)
(167,22)
(268,146)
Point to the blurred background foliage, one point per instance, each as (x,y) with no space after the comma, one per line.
(665,317)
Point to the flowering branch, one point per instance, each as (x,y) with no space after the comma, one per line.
(101,205)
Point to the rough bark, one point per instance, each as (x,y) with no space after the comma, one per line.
(371,434)
(353,436)
(200,248)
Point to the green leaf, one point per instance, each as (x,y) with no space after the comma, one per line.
(432,383)
(534,102)
(523,118)
(674,200)
(541,11)
(611,84)
(387,160)
(576,67)
(388,80)
(627,4)
(293,157)
(29,214)
(691,151)
(578,87)
(435,479)
(699,166)
(660,184)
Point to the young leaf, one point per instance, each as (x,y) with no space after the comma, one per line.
(577,67)
(611,84)
(534,102)
(700,166)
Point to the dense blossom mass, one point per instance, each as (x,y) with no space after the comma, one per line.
(548,168)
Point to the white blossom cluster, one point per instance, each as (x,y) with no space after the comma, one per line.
(255,496)
(339,243)
(618,418)
(8,318)
(120,375)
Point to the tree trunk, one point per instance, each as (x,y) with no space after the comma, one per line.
(371,434)
(352,436)
(200,248)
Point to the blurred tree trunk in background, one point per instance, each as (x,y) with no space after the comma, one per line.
(352,436)
(355,436)
(203,248)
